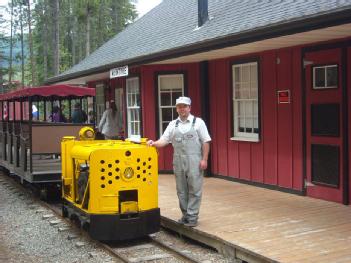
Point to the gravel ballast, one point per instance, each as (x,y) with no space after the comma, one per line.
(27,236)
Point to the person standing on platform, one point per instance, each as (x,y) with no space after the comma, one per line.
(109,124)
(191,143)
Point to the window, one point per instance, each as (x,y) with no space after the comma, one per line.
(245,102)
(100,101)
(170,87)
(325,77)
(133,106)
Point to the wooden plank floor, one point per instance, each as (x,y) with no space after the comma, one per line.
(280,226)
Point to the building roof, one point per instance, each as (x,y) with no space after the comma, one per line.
(171,28)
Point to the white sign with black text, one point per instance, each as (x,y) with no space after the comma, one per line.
(119,72)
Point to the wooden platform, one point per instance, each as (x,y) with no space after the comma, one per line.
(261,225)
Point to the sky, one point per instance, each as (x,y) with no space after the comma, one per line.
(143,6)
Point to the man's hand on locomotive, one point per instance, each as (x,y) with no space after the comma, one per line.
(150,143)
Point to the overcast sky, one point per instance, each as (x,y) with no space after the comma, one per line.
(143,6)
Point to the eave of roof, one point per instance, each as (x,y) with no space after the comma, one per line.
(271,31)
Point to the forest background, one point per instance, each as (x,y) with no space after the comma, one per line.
(43,38)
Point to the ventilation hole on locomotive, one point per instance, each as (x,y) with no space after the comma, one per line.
(144,171)
(149,167)
(117,161)
(117,169)
(110,182)
(138,168)
(110,173)
(144,163)
(128,153)
(109,165)
(138,176)
(102,177)
(102,186)
(102,161)
(150,174)
(102,170)
(138,160)
(144,179)
(117,177)
(149,159)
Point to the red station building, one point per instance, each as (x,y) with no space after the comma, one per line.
(272,80)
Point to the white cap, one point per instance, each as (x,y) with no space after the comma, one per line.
(183,100)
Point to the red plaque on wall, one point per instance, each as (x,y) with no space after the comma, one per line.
(283,96)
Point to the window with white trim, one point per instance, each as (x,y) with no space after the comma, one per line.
(170,87)
(133,106)
(325,77)
(245,101)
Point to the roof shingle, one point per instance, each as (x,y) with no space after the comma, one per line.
(173,24)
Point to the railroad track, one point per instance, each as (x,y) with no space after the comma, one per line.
(149,249)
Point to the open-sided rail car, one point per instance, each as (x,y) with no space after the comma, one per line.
(30,144)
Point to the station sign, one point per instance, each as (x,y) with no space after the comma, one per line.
(283,96)
(119,72)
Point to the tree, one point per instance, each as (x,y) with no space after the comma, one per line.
(56,9)
(11,48)
(71,30)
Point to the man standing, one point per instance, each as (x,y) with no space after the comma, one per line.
(190,139)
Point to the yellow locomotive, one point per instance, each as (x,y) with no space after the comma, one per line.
(110,187)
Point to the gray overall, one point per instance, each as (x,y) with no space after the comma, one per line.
(186,165)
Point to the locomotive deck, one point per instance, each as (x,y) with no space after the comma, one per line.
(261,225)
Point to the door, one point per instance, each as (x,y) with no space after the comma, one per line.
(324,125)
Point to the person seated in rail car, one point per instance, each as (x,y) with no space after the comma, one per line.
(79,115)
(57,115)
(62,115)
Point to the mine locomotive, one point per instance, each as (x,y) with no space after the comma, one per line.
(110,187)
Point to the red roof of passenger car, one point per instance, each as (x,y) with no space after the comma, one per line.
(60,91)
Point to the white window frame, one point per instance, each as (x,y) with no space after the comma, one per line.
(325,77)
(254,117)
(133,111)
(161,107)
(100,101)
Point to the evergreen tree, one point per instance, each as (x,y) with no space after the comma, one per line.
(58,34)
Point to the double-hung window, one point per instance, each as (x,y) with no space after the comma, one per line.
(133,107)
(170,87)
(245,102)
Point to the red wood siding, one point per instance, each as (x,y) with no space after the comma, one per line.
(150,104)
(349,113)
(277,158)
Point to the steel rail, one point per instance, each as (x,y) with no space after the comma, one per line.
(174,251)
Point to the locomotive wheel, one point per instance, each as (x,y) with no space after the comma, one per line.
(43,194)
(64,211)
